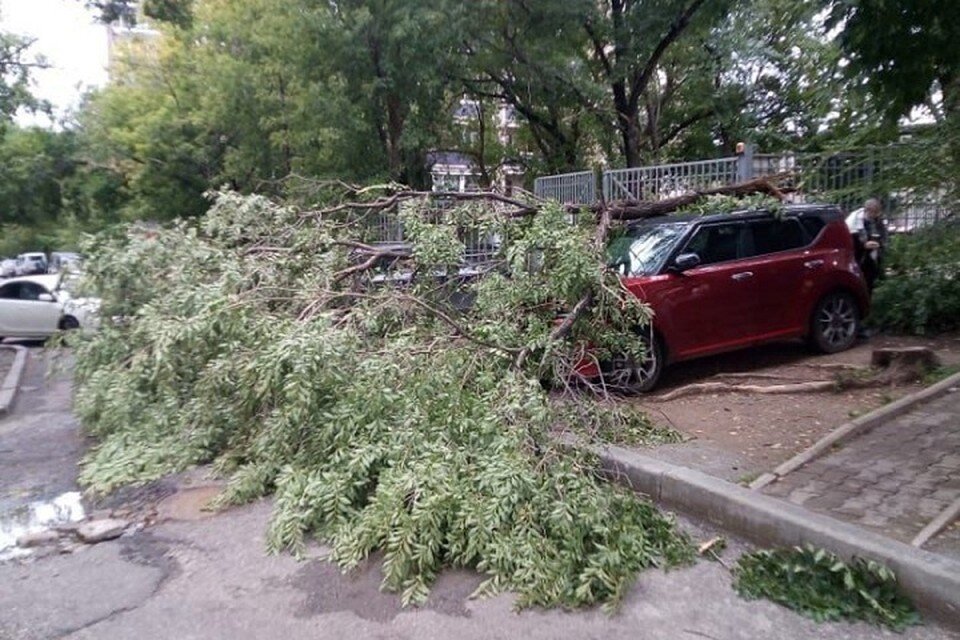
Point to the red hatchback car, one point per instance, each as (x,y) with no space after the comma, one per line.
(723,282)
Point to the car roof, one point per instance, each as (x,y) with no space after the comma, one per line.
(49,281)
(825,211)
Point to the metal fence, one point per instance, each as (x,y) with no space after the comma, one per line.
(658,182)
(387,229)
(908,182)
(912,185)
(568,188)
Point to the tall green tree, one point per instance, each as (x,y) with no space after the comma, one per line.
(905,52)
(766,74)
(393,58)
(558,63)
(177,12)
(905,49)
(16,65)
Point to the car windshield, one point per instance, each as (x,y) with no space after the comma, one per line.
(642,250)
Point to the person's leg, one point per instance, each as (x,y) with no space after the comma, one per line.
(870,273)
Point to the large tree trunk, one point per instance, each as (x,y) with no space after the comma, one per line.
(395,121)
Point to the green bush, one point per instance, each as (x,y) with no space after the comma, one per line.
(921,292)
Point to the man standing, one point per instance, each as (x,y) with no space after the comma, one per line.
(873,241)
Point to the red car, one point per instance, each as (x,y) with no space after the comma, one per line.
(723,282)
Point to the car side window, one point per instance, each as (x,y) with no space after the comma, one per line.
(771,236)
(812,225)
(716,243)
(10,291)
(31,291)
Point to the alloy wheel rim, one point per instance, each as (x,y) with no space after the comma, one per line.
(838,321)
(626,370)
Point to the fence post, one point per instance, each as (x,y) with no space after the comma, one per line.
(745,161)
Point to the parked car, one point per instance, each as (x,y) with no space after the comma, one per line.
(723,282)
(36,307)
(8,267)
(31,263)
(64,261)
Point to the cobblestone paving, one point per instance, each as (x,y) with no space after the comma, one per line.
(894,479)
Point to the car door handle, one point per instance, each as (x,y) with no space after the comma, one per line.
(813,264)
(743,275)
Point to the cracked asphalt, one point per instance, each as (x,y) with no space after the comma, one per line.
(209,577)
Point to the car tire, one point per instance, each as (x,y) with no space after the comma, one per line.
(835,323)
(625,375)
(69,323)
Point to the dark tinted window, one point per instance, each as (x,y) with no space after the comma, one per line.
(716,243)
(771,236)
(22,291)
(31,291)
(812,225)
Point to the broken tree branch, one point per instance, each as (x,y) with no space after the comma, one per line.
(633,210)
(375,256)
(726,387)
(385,203)
(583,305)
(463,333)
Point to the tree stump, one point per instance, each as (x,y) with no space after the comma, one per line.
(906,364)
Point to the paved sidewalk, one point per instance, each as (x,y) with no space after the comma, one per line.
(894,479)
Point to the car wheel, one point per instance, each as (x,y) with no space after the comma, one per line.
(627,375)
(835,322)
(69,323)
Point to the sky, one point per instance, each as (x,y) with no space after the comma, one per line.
(74,45)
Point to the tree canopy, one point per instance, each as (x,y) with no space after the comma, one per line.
(260,95)
(905,49)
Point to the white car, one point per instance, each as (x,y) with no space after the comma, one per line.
(37,307)
(31,263)
(8,268)
(64,261)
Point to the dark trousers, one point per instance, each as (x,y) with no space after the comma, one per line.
(872,271)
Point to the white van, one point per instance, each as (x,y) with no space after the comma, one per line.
(29,264)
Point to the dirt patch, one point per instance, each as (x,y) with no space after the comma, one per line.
(737,436)
(182,496)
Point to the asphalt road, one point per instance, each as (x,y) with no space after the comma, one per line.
(209,577)
(40,442)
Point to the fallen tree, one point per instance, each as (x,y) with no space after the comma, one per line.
(347,378)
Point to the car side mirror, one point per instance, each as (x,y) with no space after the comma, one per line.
(46,297)
(686,261)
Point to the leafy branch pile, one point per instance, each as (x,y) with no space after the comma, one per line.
(390,400)
(819,585)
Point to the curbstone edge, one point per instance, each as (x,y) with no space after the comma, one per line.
(933,581)
(8,389)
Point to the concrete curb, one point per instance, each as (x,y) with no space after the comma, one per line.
(11,382)
(857,427)
(933,581)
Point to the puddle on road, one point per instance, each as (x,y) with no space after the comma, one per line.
(35,517)
(189,504)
